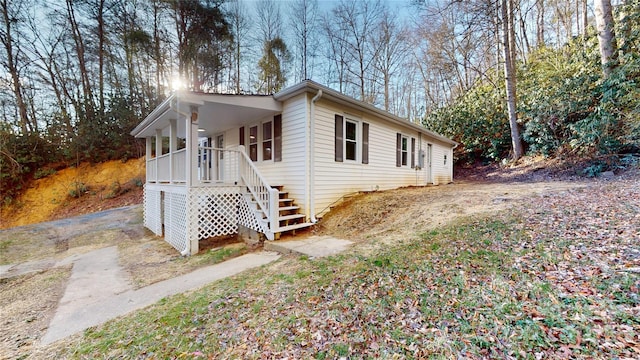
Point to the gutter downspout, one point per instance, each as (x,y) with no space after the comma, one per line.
(453,148)
(312,171)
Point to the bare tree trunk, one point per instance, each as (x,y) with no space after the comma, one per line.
(101,54)
(237,66)
(80,52)
(578,20)
(6,37)
(523,30)
(540,25)
(159,56)
(585,23)
(606,36)
(510,75)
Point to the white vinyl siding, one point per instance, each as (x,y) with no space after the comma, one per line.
(336,179)
(291,171)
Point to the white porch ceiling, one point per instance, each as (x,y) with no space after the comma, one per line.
(216,113)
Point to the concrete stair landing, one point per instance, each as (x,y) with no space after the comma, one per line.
(312,246)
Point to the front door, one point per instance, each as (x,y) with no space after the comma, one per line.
(220,158)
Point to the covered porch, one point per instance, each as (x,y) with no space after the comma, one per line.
(196,186)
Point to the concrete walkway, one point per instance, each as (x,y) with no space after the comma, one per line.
(92,299)
(100,290)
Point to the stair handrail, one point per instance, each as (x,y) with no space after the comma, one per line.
(254,181)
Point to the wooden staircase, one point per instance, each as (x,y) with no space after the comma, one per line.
(289,217)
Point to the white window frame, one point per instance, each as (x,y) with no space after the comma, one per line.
(263,141)
(256,142)
(357,141)
(260,141)
(405,154)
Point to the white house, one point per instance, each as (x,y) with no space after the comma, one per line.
(218,163)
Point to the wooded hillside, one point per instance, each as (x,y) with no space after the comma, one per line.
(79,75)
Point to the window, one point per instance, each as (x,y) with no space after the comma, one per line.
(405,150)
(267,137)
(253,143)
(402,150)
(265,140)
(351,140)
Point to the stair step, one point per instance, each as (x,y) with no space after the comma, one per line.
(291,217)
(294,227)
(286,208)
(285,200)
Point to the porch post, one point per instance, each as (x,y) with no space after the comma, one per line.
(172,146)
(240,167)
(192,177)
(158,150)
(192,147)
(147,157)
(147,154)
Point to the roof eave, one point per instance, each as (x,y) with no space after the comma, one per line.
(311,86)
(154,115)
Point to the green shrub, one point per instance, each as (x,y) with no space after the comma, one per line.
(478,121)
(43,172)
(78,189)
(21,156)
(114,190)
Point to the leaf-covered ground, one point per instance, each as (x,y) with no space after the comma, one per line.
(552,277)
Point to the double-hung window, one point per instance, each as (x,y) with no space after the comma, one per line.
(351,140)
(265,140)
(253,143)
(403,150)
(267,137)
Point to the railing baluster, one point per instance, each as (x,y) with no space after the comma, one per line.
(246,171)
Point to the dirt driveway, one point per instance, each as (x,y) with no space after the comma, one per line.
(27,301)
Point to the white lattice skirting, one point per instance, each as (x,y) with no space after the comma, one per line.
(248,216)
(213,211)
(198,213)
(153,210)
(175,220)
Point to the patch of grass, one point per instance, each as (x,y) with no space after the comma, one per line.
(215,256)
(485,287)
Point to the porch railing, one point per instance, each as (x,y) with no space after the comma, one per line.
(179,168)
(223,167)
(152,170)
(218,165)
(164,168)
(161,169)
(265,196)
